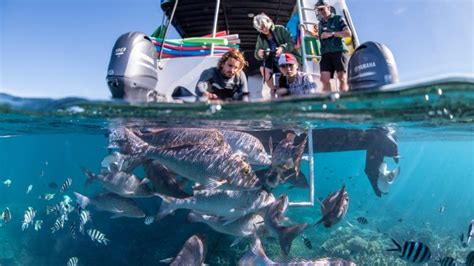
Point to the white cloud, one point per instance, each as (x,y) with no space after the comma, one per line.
(399,11)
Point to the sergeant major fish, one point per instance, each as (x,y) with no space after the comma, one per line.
(66,185)
(470,232)
(28,217)
(412,251)
(38,224)
(98,236)
(6,215)
(73,261)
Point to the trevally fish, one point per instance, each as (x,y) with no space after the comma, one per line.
(28,217)
(231,204)
(256,256)
(240,228)
(274,215)
(177,137)
(210,166)
(122,183)
(110,202)
(334,207)
(248,145)
(164,182)
(98,236)
(286,156)
(193,253)
(412,251)
(386,177)
(121,162)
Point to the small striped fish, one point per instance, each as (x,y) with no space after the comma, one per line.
(447,261)
(38,224)
(413,251)
(362,220)
(28,217)
(307,242)
(149,220)
(96,235)
(470,259)
(6,215)
(67,184)
(72,230)
(73,261)
(84,217)
(58,224)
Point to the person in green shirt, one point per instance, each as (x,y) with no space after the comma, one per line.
(332,28)
(272,41)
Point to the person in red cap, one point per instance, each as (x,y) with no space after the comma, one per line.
(293,82)
(332,28)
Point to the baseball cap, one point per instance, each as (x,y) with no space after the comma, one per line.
(287,58)
(321,3)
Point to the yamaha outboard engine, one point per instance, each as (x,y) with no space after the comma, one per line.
(132,72)
(371,66)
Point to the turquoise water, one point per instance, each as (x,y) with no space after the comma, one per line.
(43,141)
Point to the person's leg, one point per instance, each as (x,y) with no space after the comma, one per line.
(342,77)
(340,64)
(327,70)
(325,80)
(267,77)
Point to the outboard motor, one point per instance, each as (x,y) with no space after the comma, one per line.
(132,72)
(371,66)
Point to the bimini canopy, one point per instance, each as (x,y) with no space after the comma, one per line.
(196,17)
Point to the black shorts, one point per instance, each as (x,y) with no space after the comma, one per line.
(271,63)
(333,62)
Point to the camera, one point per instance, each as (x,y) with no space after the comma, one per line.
(268,53)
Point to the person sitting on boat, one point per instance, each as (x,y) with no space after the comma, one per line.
(227,81)
(272,41)
(293,82)
(332,28)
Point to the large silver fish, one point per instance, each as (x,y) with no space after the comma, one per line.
(240,228)
(274,215)
(122,183)
(386,178)
(193,253)
(286,155)
(120,206)
(210,166)
(257,256)
(164,182)
(249,145)
(177,137)
(230,204)
(334,207)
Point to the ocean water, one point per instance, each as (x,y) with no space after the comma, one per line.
(432,200)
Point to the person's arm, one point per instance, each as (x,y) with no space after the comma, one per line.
(244,87)
(287,42)
(346,32)
(204,87)
(259,49)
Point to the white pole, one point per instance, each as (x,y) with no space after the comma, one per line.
(214,29)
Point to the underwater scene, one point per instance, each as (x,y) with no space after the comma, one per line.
(376,178)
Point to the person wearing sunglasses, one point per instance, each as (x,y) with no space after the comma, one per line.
(332,29)
(293,82)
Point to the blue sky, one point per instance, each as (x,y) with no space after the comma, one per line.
(58,48)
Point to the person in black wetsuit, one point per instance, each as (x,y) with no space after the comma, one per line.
(227,81)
